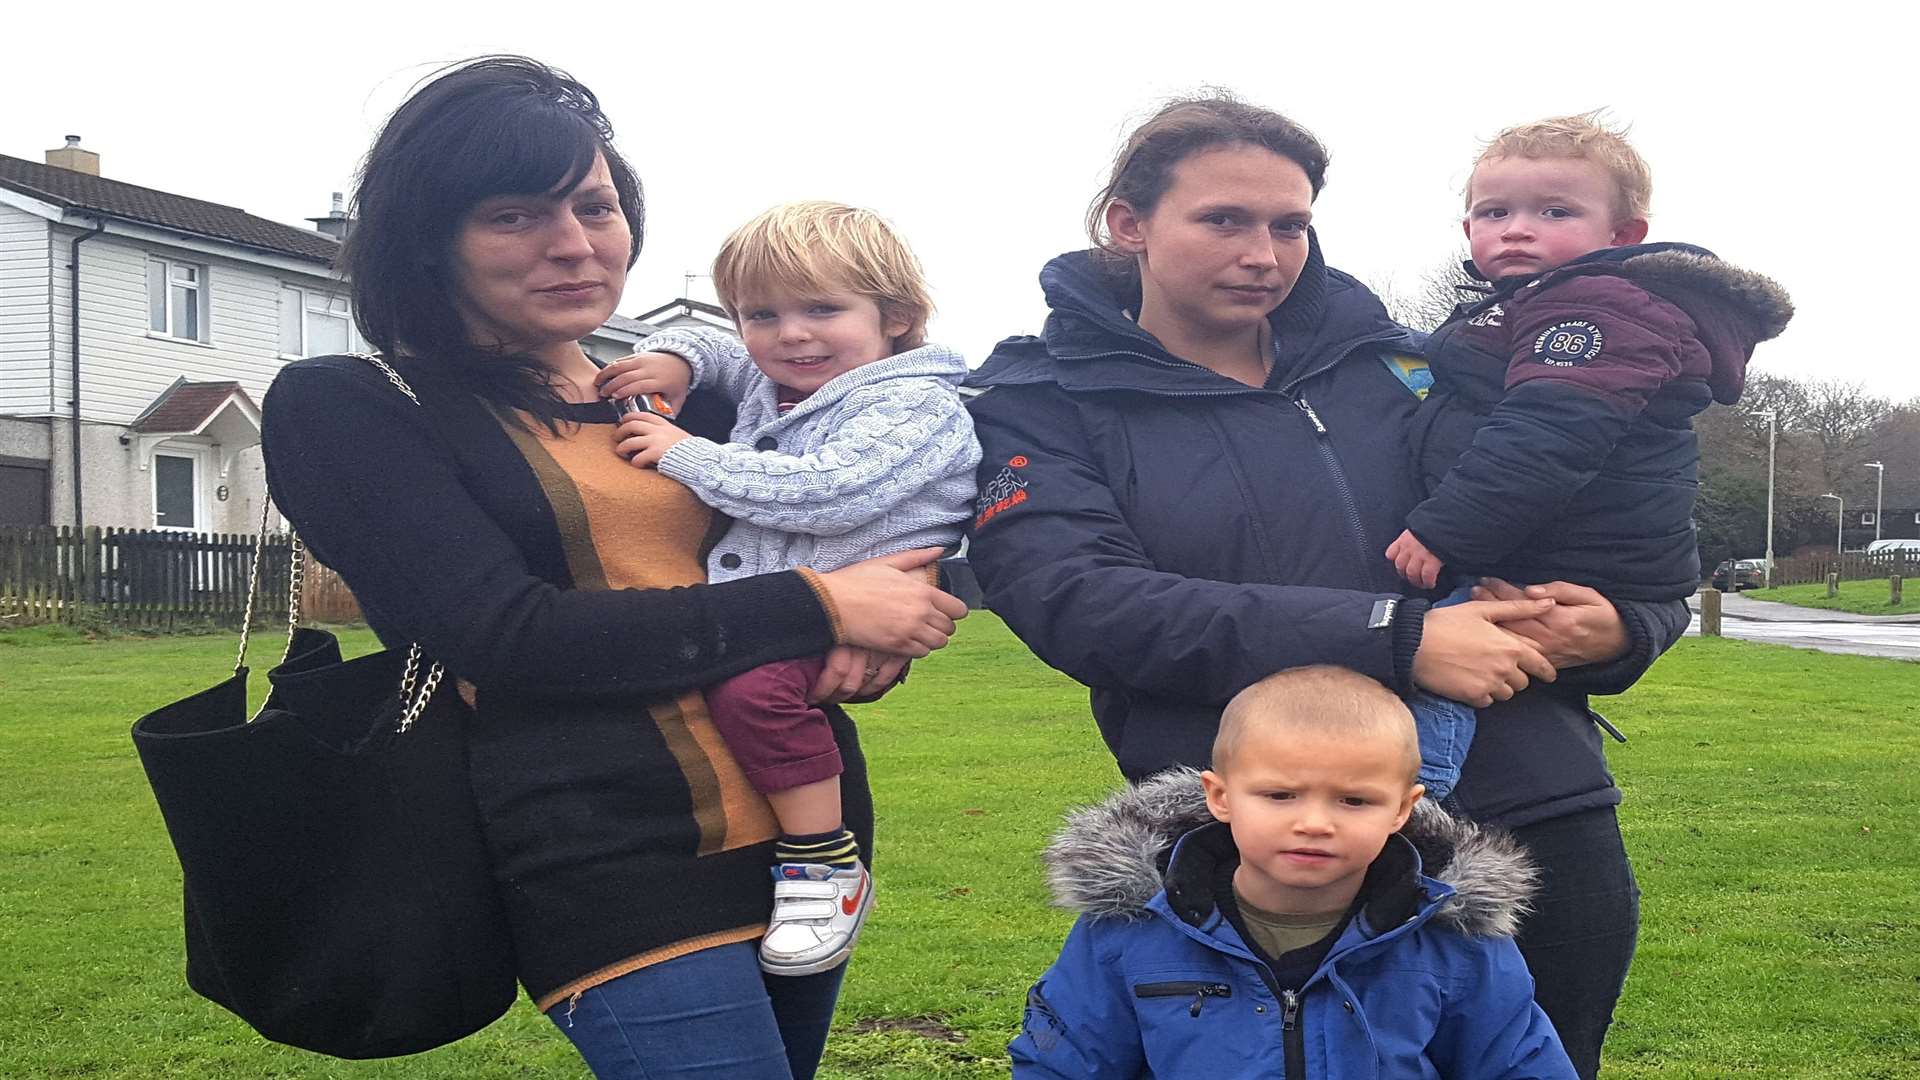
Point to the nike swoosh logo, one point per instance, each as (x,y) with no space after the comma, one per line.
(851,905)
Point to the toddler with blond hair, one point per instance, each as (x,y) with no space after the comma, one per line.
(1557,444)
(850,442)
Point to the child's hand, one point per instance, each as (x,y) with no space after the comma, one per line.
(645,438)
(647,373)
(1415,563)
(852,672)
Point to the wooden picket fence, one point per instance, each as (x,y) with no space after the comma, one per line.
(1851,566)
(140,578)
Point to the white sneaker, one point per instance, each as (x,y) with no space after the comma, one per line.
(818,911)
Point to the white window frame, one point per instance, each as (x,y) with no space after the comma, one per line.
(1866,517)
(202,458)
(200,289)
(308,295)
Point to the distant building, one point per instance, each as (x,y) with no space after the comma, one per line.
(138,331)
(685,312)
(1899,513)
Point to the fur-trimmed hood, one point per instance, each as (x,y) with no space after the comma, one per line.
(1732,309)
(1109,860)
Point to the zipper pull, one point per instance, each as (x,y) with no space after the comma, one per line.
(1312,416)
(1201,995)
(1289,1009)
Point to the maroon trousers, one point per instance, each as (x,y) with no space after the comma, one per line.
(780,741)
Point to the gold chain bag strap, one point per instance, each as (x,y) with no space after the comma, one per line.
(411,705)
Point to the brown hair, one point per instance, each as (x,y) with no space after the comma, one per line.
(1586,137)
(811,247)
(1143,170)
(1321,700)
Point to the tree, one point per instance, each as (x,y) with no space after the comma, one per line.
(1434,295)
(1842,419)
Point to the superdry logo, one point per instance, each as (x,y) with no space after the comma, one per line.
(1489,317)
(1007,490)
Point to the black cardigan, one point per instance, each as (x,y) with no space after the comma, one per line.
(440,527)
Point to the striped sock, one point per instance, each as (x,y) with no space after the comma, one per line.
(836,848)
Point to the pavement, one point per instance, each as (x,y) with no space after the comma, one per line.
(1738,606)
(1893,636)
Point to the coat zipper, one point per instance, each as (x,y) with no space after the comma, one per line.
(1201,991)
(1339,474)
(1329,459)
(1292,1036)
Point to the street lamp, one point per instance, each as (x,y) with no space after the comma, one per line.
(1772,418)
(1839,522)
(1879,490)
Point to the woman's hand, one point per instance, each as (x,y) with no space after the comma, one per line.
(891,605)
(1467,654)
(644,373)
(853,672)
(1582,627)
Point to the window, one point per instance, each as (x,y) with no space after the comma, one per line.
(177,299)
(314,323)
(1866,518)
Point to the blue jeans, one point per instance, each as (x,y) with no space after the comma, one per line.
(1445,727)
(711,1014)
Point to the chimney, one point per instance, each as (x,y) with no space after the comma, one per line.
(72,157)
(336,224)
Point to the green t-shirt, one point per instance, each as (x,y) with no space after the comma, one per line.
(1278,933)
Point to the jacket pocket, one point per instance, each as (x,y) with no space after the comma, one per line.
(1195,990)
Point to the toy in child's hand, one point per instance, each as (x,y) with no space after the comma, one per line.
(644,403)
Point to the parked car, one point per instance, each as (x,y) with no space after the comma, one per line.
(1736,574)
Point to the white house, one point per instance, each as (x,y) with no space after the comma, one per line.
(138,331)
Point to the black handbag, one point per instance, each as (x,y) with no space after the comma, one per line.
(338,893)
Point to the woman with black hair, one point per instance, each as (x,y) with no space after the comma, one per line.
(469,493)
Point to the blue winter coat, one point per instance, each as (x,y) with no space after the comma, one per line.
(1557,442)
(1424,982)
(1169,536)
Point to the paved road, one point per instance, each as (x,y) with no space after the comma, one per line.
(1806,628)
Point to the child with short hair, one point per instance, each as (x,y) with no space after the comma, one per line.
(1557,441)
(1292,932)
(850,442)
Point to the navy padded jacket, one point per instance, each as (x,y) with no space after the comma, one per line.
(1168,536)
(1557,442)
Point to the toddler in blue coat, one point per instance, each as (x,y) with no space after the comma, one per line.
(1292,932)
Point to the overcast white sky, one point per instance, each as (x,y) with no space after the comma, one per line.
(1775,133)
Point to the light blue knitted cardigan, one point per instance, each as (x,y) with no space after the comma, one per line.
(881,459)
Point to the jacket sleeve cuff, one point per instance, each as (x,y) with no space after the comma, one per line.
(1409,625)
(820,593)
(684,346)
(1645,642)
(690,461)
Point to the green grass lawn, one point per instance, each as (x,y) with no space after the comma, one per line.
(1772,811)
(1858,597)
